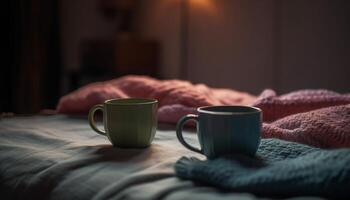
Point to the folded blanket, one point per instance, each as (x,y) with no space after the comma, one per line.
(280,169)
(275,107)
(326,127)
(176,98)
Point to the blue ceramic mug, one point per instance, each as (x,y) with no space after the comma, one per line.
(224,130)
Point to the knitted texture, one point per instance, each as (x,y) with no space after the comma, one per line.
(326,127)
(176,98)
(275,107)
(280,168)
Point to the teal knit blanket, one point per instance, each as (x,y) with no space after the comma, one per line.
(280,168)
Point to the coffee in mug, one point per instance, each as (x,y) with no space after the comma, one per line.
(224,130)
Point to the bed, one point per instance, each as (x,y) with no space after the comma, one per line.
(60,157)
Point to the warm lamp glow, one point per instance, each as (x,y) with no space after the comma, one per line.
(207,5)
(186,7)
(200,2)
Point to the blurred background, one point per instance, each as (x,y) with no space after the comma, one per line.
(248,45)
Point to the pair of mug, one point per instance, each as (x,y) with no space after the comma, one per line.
(132,123)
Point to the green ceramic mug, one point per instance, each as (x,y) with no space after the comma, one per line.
(225,130)
(128,123)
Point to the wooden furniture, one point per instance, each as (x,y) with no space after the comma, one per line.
(107,59)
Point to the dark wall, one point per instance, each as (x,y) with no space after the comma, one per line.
(252,44)
(33,77)
(313,45)
(241,44)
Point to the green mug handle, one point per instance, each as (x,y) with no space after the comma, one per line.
(92,120)
(179,127)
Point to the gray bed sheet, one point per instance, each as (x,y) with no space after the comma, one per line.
(60,157)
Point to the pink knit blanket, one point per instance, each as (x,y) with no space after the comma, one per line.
(275,107)
(176,98)
(296,116)
(326,127)
(318,118)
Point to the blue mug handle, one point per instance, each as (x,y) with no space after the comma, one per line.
(179,127)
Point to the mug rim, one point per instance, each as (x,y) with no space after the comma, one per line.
(253,111)
(123,101)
